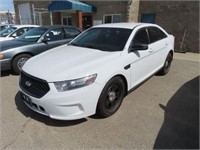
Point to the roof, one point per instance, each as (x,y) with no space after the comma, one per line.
(127,25)
(56,26)
(6,24)
(70,5)
(21,26)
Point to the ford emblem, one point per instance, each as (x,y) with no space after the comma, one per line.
(28,83)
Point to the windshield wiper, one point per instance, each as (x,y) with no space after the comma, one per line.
(93,47)
(86,46)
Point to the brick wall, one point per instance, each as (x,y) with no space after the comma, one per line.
(109,7)
(128,12)
(178,18)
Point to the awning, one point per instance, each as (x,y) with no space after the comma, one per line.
(70,5)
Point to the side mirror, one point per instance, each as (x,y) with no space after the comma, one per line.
(45,39)
(139,47)
(14,35)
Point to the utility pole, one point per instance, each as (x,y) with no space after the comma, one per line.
(9,17)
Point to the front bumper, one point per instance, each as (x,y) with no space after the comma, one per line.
(69,105)
(5,64)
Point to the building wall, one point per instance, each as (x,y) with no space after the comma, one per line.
(17,20)
(129,12)
(133,11)
(40,7)
(180,18)
(109,7)
(69,14)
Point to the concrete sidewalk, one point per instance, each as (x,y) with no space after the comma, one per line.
(187,56)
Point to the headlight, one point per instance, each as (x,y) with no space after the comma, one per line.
(1,56)
(74,84)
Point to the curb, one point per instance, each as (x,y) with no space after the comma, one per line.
(195,57)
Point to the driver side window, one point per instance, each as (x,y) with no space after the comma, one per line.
(141,37)
(55,35)
(19,32)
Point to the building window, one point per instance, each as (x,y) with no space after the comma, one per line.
(67,20)
(148,17)
(38,18)
(113,18)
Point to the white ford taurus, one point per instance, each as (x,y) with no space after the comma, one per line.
(96,70)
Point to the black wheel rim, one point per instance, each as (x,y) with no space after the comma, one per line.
(113,96)
(168,62)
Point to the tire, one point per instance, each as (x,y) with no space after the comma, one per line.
(111,97)
(167,65)
(18,62)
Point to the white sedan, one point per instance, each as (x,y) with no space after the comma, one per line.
(15,31)
(96,70)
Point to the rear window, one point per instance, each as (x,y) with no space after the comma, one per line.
(71,32)
(7,31)
(155,34)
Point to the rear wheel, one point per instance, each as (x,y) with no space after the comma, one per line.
(111,97)
(167,65)
(19,61)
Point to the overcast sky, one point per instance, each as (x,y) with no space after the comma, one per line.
(6,5)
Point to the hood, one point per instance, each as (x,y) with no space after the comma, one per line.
(68,62)
(5,45)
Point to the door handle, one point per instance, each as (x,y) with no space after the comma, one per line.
(150,51)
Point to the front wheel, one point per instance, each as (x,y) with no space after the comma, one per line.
(111,97)
(19,61)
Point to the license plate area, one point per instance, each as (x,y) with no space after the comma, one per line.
(27,99)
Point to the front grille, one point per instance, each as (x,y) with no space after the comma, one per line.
(33,86)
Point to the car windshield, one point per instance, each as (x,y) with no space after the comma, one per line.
(32,35)
(105,39)
(2,27)
(7,31)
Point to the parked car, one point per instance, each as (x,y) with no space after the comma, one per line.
(94,72)
(4,26)
(15,31)
(14,53)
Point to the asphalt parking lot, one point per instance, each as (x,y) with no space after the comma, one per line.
(161,113)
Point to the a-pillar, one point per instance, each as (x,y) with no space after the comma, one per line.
(79,15)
